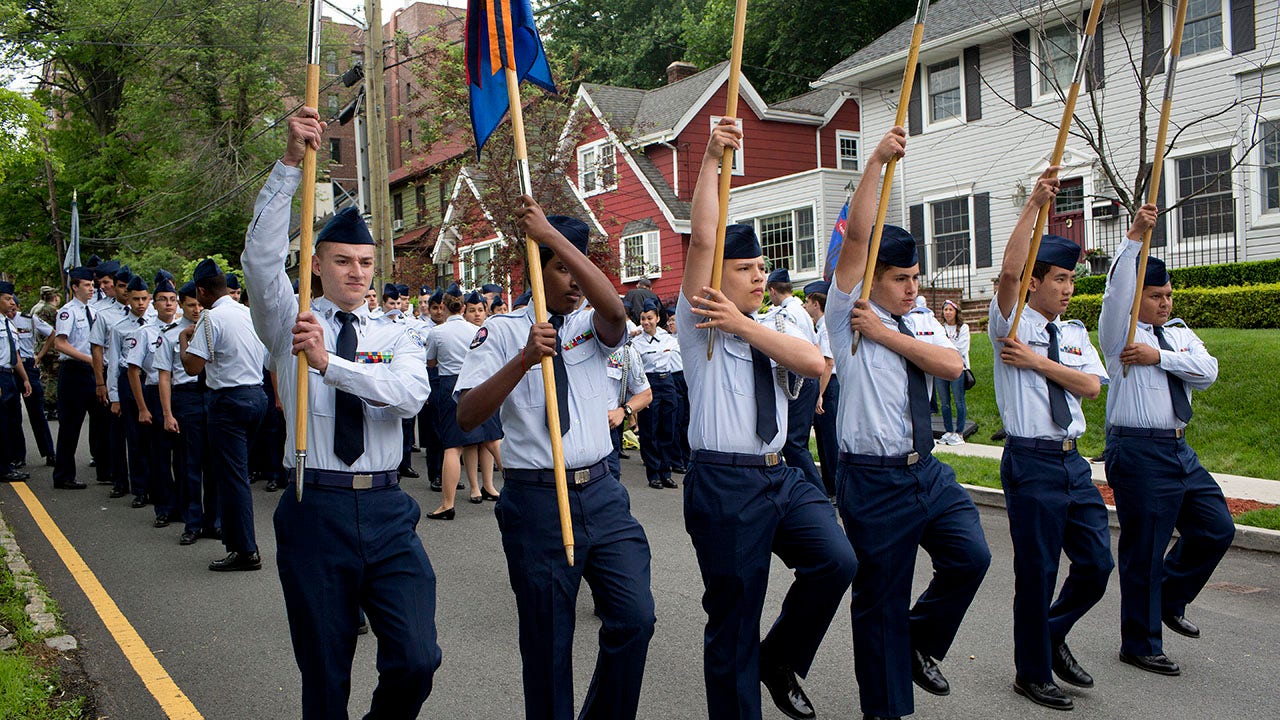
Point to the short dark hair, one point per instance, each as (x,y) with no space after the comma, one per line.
(820,298)
(644,282)
(782,287)
(1040,269)
(214,284)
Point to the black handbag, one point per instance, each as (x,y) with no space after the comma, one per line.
(969,379)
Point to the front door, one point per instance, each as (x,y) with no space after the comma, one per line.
(1066,218)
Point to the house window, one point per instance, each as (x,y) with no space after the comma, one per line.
(1056,58)
(847,150)
(1070,199)
(335,150)
(945,99)
(1208,209)
(1271,165)
(951,232)
(787,239)
(397,207)
(1203,29)
(738,160)
(333,103)
(477,265)
(420,199)
(597,168)
(641,256)
(331,62)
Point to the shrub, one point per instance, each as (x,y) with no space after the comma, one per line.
(1242,307)
(1258,272)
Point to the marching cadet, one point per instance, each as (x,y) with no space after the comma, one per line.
(13,384)
(76,397)
(522,300)
(223,346)
(428,432)
(30,328)
(826,430)
(502,371)
(125,405)
(182,402)
(1053,505)
(144,383)
(488,451)
(390,302)
(111,309)
(498,306)
(1158,481)
(371,301)
(446,349)
(658,423)
(353,533)
(233,286)
(104,285)
(894,495)
(741,502)
(490,291)
(406,424)
(629,384)
(802,393)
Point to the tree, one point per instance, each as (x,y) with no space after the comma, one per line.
(627,43)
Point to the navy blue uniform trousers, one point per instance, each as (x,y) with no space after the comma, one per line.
(10,419)
(76,400)
(612,555)
(429,434)
(827,435)
(35,412)
(1160,486)
(139,467)
(1053,507)
(888,512)
(658,428)
(158,443)
(340,551)
(799,421)
(234,417)
(615,457)
(196,494)
(266,448)
(737,518)
(683,455)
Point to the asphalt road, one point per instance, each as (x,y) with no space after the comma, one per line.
(224,638)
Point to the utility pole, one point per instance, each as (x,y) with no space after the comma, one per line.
(375,105)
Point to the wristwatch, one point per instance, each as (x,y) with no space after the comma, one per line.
(626,410)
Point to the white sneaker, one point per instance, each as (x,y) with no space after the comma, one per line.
(957,439)
(945,439)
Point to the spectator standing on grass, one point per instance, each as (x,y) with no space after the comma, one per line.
(957,331)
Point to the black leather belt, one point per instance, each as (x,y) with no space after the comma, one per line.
(193,386)
(6,370)
(576,477)
(737,459)
(1062,446)
(1158,433)
(350,481)
(907,460)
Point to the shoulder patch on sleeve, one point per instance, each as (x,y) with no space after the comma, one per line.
(481,335)
(64,315)
(416,336)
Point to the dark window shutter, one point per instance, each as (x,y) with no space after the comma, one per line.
(982,229)
(1160,233)
(1242,39)
(972,85)
(915,223)
(1095,78)
(1153,38)
(915,121)
(1022,68)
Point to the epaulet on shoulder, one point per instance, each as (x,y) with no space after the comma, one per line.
(1177,322)
(1078,323)
(513,315)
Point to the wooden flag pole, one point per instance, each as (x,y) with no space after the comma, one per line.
(726,161)
(1060,145)
(306,231)
(1157,164)
(540,315)
(886,185)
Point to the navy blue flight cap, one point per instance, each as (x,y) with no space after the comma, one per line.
(573,230)
(105,268)
(780,276)
(347,227)
(424,290)
(188,289)
(1058,252)
(1157,274)
(162,274)
(391,291)
(402,289)
(94,261)
(437,296)
(453,290)
(137,284)
(817,286)
(233,282)
(473,298)
(164,285)
(651,305)
(897,248)
(740,242)
(6,287)
(124,274)
(490,288)
(522,299)
(81,273)
(208,268)
(498,301)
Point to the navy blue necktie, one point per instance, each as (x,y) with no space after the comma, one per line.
(348,421)
(917,400)
(89,316)
(562,377)
(1177,389)
(766,400)
(1058,407)
(13,347)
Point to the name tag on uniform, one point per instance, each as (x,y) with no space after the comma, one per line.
(579,340)
(374,358)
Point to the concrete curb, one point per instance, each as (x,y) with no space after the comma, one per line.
(38,607)
(1247,537)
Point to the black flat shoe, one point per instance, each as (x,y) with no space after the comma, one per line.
(476,499)
(409,472)
(237,561)
(669,483)
(443,514)
(1046,694)
(488,495)
(655,484)
(117,493)
(1067,669)
(784,688)
(139,502)
(1181,625)
(437,485)
(925,674)
(1158,664)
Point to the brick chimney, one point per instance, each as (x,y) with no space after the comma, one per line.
(680,70)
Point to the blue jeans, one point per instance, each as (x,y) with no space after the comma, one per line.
(946,390)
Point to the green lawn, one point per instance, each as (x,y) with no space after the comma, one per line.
(29,685)
(1235,425)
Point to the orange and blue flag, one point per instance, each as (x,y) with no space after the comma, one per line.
(500,34)
(837,241)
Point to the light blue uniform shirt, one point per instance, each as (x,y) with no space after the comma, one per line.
(449,343)
(235,357)
(146,352)
(389,373)
(121,340)
(73,324)
(105,315)
(29,327)
(169,358)
(1023,395)
(874,416)
(7,331)
(657,350)
(526,444)
(1142,399)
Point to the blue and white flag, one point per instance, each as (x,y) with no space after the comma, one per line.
(72,260)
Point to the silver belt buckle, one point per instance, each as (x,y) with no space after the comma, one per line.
(771,459)
(1068,445)
(1179,433)
(582,477)
(362,481)
(913,457)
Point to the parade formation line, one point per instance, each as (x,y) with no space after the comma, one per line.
(172,700)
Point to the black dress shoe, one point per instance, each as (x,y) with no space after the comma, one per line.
(51,460)
(443,514)
(189,538)
(1067,669)
(211,533)
(1158,664)
(669,483)
(139,502)
(416,449)
(408,471)
(1047,694)
(273,485)
(680,470)
(93,463)
(488,495)
(655,484)
(73,485)
(784,688)
(437,485)
(162,521)
(117,493)
(476,499)
(237,561)
(925,673)
(1181,625)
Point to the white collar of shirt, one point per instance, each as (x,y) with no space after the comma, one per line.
(224,300)
(326,308)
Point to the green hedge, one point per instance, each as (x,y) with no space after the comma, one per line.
(1242,307)
(1258,272)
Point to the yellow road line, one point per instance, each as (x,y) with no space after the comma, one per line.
(172,700)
